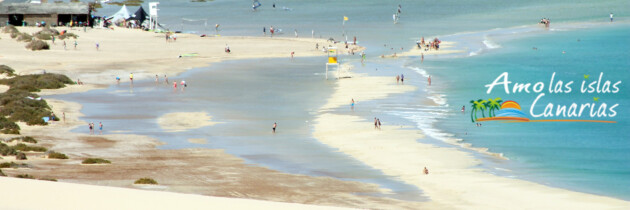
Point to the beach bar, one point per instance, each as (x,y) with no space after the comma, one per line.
(30,14)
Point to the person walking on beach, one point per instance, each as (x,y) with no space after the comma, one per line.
(611,17)
(463,108)
(397,79)
(100,128)
(91,128)
(375,123)
(402,78)
(271,30)
(352,104)
(165,79)
(174,85)
(97,45)
(264,31)
(379,123)
(156,79)
(64,116)
(53,39)
(429,79)
(64,45)
(296,35)
(117,80)
(131,78)
(75,44)
(274,127)
(292,53)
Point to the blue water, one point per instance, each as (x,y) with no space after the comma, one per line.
(496,35)
(589,157)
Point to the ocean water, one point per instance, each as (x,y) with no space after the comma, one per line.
(589,157)
(497,36)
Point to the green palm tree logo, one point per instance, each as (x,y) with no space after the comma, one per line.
(493,104)
(478,105)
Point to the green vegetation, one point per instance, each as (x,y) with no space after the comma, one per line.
(17,107)
(24,37)
(36,82)
(127,2)
(37,44)
(145,181)
(2,173)
(25,176)
(96,161)
(25,148)
(48,179)
(26,139)
(6,150)
(20,156)
(67,36)
(13,165)
(4,69)
(56,155)
(18,104)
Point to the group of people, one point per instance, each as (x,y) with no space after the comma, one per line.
(93,127)
(545,21)
(400,78)
(434,45)
(377,123)
(170,37)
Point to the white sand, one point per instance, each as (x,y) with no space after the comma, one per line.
(454,181)
(183,121)
(123,51)
(36,194)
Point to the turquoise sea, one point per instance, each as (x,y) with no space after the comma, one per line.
(496,36)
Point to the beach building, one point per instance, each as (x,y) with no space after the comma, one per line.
(23,14)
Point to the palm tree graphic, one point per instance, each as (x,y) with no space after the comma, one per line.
(493,104)
(479,105)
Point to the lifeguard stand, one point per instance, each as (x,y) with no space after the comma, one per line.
(332,60)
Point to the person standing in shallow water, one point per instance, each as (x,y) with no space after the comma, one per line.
(100,128)
(274,127)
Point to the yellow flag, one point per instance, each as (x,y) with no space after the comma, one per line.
(345,18)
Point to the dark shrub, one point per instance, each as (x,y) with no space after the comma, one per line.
(37,44)
(95,161)
(48,179)
(6,150)
(35,82)
(2,173)
(13,165)
(24,37)
(20,156)
(68,36)
(8,127)
(4,69)
(25,176)
(56,155)
(25,148)
(145,181)
(27,139)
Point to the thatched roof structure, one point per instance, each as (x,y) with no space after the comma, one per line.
(45,8)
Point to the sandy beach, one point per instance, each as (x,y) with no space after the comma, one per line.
(453,181)
(134,156)
(195,178)
(123,51)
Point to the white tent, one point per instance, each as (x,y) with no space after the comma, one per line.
(122,14)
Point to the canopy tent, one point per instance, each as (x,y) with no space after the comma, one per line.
(140,15)
(122,14)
